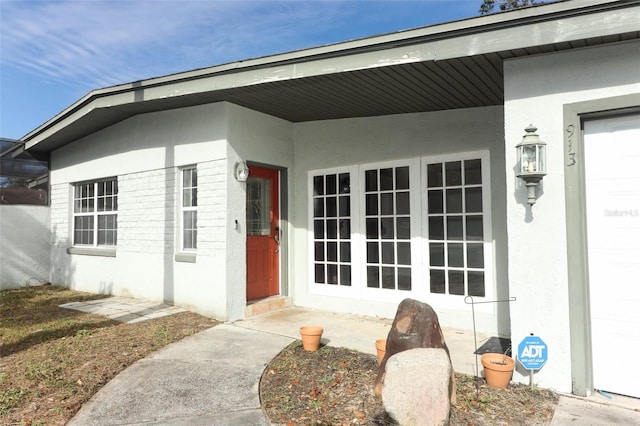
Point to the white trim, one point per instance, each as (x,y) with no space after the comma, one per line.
(182,209)
(351,291)
(454,301)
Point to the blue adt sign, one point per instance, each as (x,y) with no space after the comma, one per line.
(532,353)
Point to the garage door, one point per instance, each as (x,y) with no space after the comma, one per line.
(612,177)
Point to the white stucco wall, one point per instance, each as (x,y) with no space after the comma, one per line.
(536,89)
(334,143)
(145,152)
(24,245)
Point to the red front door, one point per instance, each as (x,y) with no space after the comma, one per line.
(263,233)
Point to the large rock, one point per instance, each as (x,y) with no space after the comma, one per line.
(415,326)
(416,387)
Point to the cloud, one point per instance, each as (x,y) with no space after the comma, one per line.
(101,43)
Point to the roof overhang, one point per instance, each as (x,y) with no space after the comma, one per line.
(446,66)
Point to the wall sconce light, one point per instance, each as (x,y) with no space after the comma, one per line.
(532,164)
(241,171)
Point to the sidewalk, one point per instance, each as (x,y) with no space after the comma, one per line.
(212,378)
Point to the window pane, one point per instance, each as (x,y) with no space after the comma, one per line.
(345,252)
(436,284)
(386,203)
(388,277)
(476,283)
(436,254)
(404,228)
(404,253)
(454,228)
(332,252)
(475,256)
(372,228)
(404,279)
(455,255)
(332,274)
(319,273)
(345,206)
(344,183)
(386,179)
(436,228)
(473,200)
(332,207)
(454,200)
(318,251)
(386,227)
(371,204)
(345,275)
(472,172)
(345,229)
(331,184)
(434,175)
(453,173)
(186,178)
(402,203)
(332,229)
(371,180)
(388,253)
(372,253)
(318,229)
(373,278)
(318,207)
(318,185)
(402,177)
(435,201)
(474,228)
(456,282)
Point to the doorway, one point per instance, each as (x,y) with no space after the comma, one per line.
(263,233)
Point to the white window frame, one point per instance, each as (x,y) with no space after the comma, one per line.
(187,208)
(451,300)
(417,283)
(353,290)
(94,214)
(420,288)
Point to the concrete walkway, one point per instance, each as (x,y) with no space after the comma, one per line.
(212,378)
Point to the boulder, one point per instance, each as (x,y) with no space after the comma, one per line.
(416,325)
(416,387)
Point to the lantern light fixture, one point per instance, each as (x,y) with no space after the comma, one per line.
(241,171)
(532,164)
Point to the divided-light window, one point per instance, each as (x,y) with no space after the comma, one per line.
(95,213)
(189,209)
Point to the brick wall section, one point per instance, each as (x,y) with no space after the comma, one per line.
(212,210)
(60,198)
(147,211)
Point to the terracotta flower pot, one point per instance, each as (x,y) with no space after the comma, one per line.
(498,369)
(311,337)
(381,347)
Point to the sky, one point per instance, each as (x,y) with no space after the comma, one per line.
(52,53)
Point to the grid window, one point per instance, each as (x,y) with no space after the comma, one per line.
(456,227)
(388,228)
(95,213)
(331,204)
(189,208)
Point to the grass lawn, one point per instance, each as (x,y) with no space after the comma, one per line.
(52,359)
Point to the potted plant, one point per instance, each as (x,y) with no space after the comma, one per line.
(498,369)
(311,336)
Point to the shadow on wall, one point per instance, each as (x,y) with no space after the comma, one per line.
(24,246)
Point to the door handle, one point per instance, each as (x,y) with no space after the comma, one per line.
(277,238)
